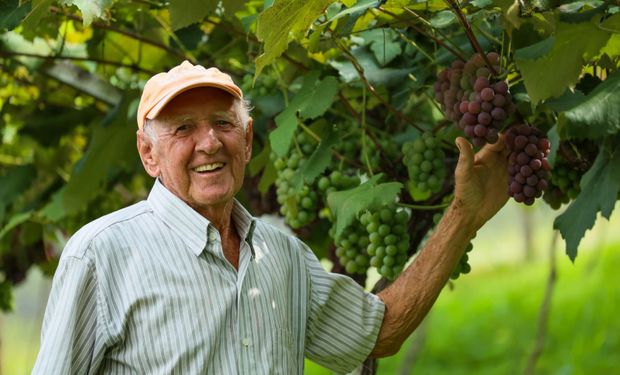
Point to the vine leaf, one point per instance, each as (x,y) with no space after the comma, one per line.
(347,204)
(599,190)
(14,183)
(318,161)
(112,146)
(312,100)
(285,18)
(14,221)
(38,10)
(11,13)
(597,114)
(383,44)
(91,9)
(550,75)
(186,12)
(375,74)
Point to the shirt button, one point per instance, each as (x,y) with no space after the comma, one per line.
(245,341)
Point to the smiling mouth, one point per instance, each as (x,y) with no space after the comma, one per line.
(206,168)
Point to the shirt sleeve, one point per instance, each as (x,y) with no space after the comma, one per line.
(344,320)
(71,341)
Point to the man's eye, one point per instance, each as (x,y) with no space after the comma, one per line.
(223,123)
(183,128)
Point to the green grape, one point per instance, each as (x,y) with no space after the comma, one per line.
(389,241)
(298,206)
(423,158)
(564,184)
(351,248)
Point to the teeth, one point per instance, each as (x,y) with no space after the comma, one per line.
(208,167)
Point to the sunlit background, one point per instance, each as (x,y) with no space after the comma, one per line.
(486,322)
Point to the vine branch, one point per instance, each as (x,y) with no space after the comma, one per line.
(74,58)
(423,32)
(545,307)
(470,34)
(103,26)
(360,72)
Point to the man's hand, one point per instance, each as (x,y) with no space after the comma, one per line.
(481,181)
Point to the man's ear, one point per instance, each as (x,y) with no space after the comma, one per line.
(249,136)
(147,154)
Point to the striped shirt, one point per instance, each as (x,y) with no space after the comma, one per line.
(147,290)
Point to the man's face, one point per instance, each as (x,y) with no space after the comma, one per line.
(201,149)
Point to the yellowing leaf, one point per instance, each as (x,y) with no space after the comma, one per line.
(283,19)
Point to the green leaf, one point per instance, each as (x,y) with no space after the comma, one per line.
(375,74)
(267,178)
(481,3)
(112,146)
(14,183)
(232,6)
(259,161)
(186,12)
(552,74)
(442,19)
(11,13)
(598,113)
(312,100)
(6,296)
(14,221)
(285,18)
(383,44)
(612,48)
(567,101)
(39,9)
(91,9)
(554,139)
(536,50)
(599,191)
(359,7)
(318,161)
(347,204)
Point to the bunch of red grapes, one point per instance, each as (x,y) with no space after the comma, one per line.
(474,99)
(528,167)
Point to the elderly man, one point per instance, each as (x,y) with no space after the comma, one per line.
(189,282)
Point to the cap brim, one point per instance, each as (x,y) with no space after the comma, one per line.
(157,108)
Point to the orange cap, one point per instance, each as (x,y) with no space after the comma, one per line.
(163,87)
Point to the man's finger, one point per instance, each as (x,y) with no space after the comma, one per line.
(466,155)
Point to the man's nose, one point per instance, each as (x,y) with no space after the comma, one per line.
(208,140)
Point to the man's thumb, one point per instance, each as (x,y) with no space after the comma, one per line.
(466,155)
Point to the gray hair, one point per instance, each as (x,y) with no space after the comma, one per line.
(243,107)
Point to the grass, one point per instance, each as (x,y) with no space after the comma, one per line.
(487,324)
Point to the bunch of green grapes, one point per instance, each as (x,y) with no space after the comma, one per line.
(424,160)
(336,181)
(564,184)
(299,207)
(463,266)
(351,248)
(389,239)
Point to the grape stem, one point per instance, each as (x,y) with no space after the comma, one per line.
(421,31)
(386,104)
(422,207)
(470,34)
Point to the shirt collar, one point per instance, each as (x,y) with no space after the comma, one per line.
(191,226)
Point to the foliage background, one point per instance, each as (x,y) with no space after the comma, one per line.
(71,73)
